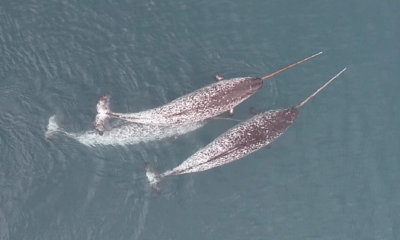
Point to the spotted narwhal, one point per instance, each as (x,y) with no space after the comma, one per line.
(241,140)
(202,104)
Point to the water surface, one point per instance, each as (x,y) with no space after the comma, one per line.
(333,175)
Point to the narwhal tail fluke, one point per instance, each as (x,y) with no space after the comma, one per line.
(153,177)
(103,114)
(52,128)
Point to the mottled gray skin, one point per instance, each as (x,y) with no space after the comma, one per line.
(239,141)
(197,106)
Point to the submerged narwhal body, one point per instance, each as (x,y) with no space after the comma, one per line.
(122,133)
(241,140)
(202,104)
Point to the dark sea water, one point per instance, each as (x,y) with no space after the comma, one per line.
(334,174)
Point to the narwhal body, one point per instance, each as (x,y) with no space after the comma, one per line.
(197,106)
(207,102)
(122,133)
(241,140)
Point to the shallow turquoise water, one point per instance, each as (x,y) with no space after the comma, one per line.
(333,175)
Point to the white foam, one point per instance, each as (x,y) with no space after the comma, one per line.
(152,177)
(52,126)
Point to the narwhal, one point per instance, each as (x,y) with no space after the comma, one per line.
(205,103)
(241,140)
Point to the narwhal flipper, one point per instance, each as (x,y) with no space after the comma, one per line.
(231,112)
(253,111)
(218,77)
(103,113)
